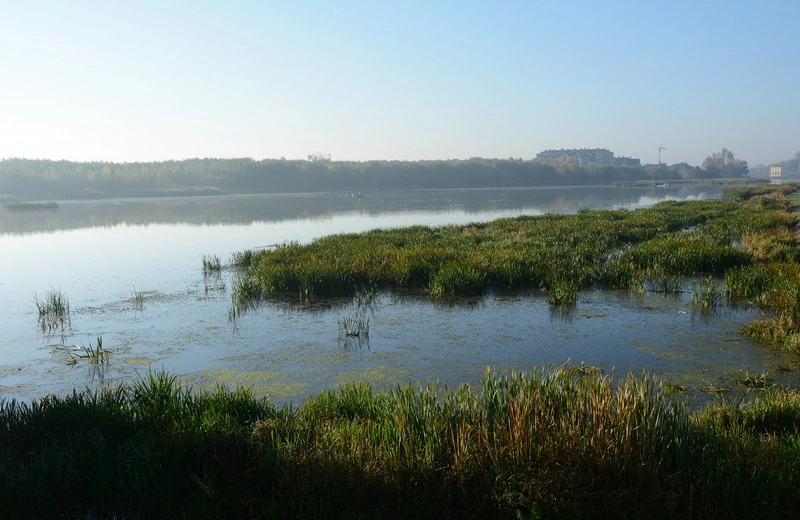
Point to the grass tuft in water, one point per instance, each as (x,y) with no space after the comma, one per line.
(760,381)
(211,265)
(356,325)
(562,292)
(52,311)
(138,299)
(707,294)
(94,354)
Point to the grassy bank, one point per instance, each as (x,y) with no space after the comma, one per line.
(556,443)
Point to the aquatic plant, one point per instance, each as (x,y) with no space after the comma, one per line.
(713,389)
(214,283)
(52,311)
(660,281)
(211,264)
(355,325)
(562,292)
(706,294)
(760,381)
(94,354)
(138,299)
(245,290)
(750,282)
(244,259)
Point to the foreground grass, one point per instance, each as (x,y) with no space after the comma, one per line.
(553,443)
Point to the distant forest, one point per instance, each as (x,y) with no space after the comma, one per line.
(27,179)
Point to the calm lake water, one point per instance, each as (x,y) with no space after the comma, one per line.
(100,253)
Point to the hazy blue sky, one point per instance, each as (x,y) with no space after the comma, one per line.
(435,79)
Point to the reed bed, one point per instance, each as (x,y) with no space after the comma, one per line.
(557,254)
(563,442)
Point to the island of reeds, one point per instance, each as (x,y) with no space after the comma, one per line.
(746,240)
(549,443)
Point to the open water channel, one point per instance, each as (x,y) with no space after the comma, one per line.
(100,253)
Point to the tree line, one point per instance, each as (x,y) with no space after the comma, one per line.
(43,179)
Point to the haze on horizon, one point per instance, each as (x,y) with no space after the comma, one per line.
(150,81)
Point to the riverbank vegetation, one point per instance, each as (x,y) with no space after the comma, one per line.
(563,442)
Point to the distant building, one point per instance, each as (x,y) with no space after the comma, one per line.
(589,157)
(777,175)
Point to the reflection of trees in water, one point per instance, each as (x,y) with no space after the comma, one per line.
(273,208)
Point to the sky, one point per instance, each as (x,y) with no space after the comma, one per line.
(123,81)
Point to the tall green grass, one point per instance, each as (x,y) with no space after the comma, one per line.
(562,442)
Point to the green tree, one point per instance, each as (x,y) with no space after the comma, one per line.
(725,164)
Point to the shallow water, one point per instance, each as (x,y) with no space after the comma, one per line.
(99,253)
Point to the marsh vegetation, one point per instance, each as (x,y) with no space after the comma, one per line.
(564,442)
(747,240)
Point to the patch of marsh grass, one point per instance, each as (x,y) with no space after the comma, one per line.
(707,294)
(562,292)
(138,299)
(760,381)
(52,311)
(95,354)
(211,265)
(244,259)
(355,325)
(661,281)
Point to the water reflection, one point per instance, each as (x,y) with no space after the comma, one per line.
(439,205)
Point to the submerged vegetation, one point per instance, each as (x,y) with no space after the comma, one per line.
(553,443)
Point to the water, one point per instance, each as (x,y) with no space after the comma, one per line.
(99,253)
